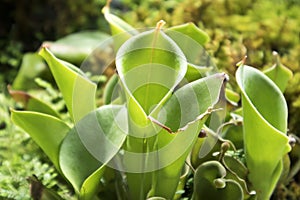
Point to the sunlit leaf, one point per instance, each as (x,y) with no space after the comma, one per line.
(119,28)
(265,125)
(279,73)
(191,39)
(89,146)
(184,115)
(75,88)
(232,97)
(149,80)
(47,131)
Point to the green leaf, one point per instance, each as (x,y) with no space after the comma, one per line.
(75,88)
(232,97)
(190,101)
(279,73)
(209,183)
(110,89)
(183,115)
(89,146)
(265,125)
(120,29)
(32,66)
(117,25)
(31,103)
(190,30)
(191,39)
(47,131)
(149,80)
(76,47)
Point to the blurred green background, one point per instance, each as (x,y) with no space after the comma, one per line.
(236,28)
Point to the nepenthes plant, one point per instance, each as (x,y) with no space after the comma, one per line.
(163,121)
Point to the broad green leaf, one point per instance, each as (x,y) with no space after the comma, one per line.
(210,183)
(32,66)
(150,79)
(89,146)
(31,103)
(76,47)
(279,73)
(47,131)
(75,88)
(184,115)
(265,125)
(190,101)
(191,39)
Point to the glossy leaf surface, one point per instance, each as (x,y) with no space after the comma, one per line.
(89,146)
(149,80)
(50,138)
(75,88)
(265,126)
(184,113)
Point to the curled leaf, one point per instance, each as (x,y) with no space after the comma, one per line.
(265,125)
(74,86)
(210,183)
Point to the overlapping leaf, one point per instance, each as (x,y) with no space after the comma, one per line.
(89,146)
(49,139)
(150,78)
(210,183)
(31,103)
(74,86)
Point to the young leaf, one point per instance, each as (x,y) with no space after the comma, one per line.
(50,138)
(265,125)
(209,183)
(75,88)
(279,73)
(89,146)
